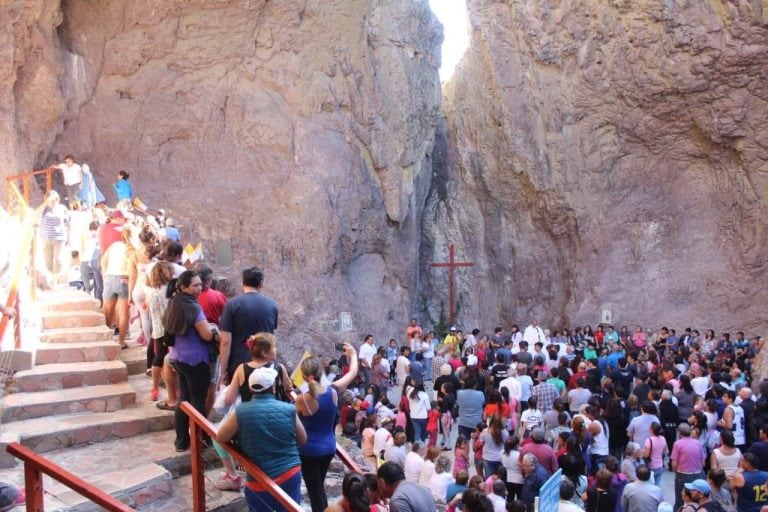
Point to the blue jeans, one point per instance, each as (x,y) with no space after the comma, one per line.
(427,368)
(419,429)
(657,473)
(490,467)
(259,501)
(466,432)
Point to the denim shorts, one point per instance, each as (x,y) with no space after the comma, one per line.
(115,287)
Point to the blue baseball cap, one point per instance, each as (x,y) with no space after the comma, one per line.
(699,485)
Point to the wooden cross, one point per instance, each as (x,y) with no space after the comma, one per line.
(451,264)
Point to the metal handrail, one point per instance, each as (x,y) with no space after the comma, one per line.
(34,467)
(25,176)
(24,257)
(199,424)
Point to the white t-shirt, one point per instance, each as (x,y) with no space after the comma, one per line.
(532,419)
(412,469)
(512,464)
(438,485)
(499,503)
(419,406)
(367,351)
(381,439)
(72,174)
(700,385)
(513,386)
(401,368)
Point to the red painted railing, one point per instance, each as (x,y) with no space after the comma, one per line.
(199,424)
(34,467)
(24,265)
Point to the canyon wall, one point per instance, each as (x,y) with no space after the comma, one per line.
(605,155)
(300,131)
(590,155)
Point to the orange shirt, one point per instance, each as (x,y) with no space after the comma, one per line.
(492,409)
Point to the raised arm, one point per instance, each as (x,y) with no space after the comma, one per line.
(347,379)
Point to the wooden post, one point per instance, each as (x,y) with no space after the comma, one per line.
(25,188)
(452,264)
(48,179)
(198,467)
(33,487)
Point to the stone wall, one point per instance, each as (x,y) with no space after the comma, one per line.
(299,130)
(606,155)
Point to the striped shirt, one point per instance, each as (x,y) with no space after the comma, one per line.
(53,224)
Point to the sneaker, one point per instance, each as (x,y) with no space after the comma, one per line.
(228,483)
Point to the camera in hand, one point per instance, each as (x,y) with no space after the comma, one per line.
(339,346)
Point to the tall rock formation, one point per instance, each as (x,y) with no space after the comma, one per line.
(605,155)
(300,130)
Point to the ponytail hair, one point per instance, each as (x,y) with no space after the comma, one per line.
(312,371)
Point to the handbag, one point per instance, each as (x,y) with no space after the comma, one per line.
(647,460)
(280,392)
(168,339)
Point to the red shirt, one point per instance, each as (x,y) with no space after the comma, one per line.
(432,418)
(576,376)
(212,302)
(109,234)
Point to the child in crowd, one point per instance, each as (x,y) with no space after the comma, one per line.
(367,442)
(392,353)
(433,420)
(74,276)
(477,448)
(461,455)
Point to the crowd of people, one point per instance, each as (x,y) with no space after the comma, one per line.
(475,422)
(613,410)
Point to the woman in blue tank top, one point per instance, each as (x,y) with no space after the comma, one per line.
(317,411)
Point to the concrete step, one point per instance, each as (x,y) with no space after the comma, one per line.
(138,470)
(76,335)
(52,353)
(56,432)
(135,358)
(65,319)
(66,300)
(137,487)
(107,398)
(69,375)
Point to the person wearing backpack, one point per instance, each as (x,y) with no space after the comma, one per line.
(700,494)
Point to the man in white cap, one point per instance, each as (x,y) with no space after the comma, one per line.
(268,431)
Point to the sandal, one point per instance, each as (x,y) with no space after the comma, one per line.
(164,405)
(154,395)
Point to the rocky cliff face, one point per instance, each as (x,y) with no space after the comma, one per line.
(606,155)
(299,130)
(591,155)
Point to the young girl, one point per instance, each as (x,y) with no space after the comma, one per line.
(477,448)
(447,402)
(392,353)
(531,418)
(510,459)
(461,455)
(433,420)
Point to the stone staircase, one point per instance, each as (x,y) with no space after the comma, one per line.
(85,406)
(79,393)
